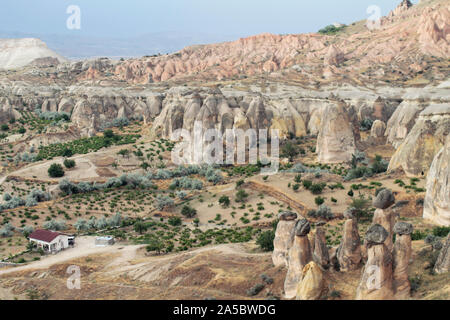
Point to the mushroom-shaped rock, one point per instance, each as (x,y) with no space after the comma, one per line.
(384,199)
(349,252)
(402,256)
(284,236)
(320,253)
(376,281)
(312,284)
(443,262)
(299,256)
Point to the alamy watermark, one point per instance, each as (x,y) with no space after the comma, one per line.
(73,22)
(74,281)
(234,146)
(374,20)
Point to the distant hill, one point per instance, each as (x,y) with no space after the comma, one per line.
(16,53)
(82,47)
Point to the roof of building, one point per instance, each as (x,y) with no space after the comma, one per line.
(44,235)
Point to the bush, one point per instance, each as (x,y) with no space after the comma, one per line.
(317,188)
(255,290)
(324,212)
(331,30)
(56,171)
(175,221)
(307,184)
(55,225)
(241,195)
(366,124)
(27,230)
(69,163)
(441,231)
(140,227)
(188,212)
(5,127)
(224,201)
(163,202)
(265,240)
(319,200)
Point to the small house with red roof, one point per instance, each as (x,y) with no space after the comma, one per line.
(49,241)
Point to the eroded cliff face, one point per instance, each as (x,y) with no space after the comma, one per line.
(290,109)
(437,199)
(426,138)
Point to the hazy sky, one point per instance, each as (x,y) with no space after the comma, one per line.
(116,18)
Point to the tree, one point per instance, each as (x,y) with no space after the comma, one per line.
(265,240)
(124,153)
(108,134)
(5,127)
(67,152)
(56,170)
(175,221)
(319,201)
(224,201)
(69,163)
(155,245)
(289,151)
(140,227)
(241,195)
(145,166)
(188,211)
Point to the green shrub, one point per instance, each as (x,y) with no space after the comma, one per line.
(319,200)
(265,240)
(56,171)
(188,211)
(68,163)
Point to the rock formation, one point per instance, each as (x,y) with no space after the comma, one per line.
(312,284)
(284,236)
(384,217)
(299,256)
(320,252)
(336,141)
(334,56)
(349,251)
(16,53)
(426,138)
(443,262)
(378,129)
(402,257)
(376,280)
(437,198)
(402,121)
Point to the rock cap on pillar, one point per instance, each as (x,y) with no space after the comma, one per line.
(287,216)
(384,199)
(403,228)
(376,235)
(302,228)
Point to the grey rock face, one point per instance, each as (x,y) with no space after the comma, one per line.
(403,228)
(376,235)
(287,216)
(302,228)
(443,262)
(384,199)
